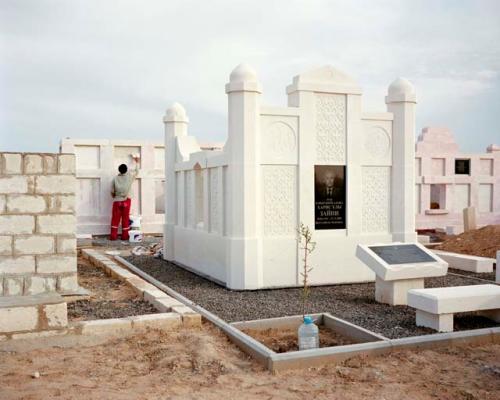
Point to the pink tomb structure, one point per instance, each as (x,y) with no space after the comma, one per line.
(448,181)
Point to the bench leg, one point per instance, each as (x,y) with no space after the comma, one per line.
(395,292)
(491,314)
(438,322)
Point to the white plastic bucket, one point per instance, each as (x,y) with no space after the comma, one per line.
(135,236)
(135,222)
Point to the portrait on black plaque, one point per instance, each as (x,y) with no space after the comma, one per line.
(329,196)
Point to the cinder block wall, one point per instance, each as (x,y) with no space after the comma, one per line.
(37,223)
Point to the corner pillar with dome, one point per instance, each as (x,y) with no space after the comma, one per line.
(233,214)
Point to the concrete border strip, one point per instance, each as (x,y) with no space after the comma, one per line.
(92,332)
(249,345)
(150,293)
(301,359)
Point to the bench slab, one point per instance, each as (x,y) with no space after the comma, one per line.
(435,307)
(455,299)
(465,262)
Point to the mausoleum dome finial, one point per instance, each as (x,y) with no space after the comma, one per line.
(243,73)
(401,86)
(176,112)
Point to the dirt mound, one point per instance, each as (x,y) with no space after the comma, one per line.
(483,242)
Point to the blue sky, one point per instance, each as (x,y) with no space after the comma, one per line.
(109,69)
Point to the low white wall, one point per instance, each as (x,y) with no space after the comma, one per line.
(97,162)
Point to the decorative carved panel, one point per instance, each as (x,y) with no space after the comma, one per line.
(377,142)
(330,128)
(376,192)
(189,194)
(214,201)
(279,139)
(280,204)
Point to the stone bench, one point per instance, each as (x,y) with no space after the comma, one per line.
(465,262)
(435,307)
(32,313)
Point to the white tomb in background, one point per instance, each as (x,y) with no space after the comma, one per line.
(232,215)
(97,162)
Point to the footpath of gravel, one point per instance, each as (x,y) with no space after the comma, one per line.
(353,302)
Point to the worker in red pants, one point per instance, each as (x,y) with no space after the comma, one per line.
(121,191)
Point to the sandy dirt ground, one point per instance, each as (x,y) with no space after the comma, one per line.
(483,242)
(202,364)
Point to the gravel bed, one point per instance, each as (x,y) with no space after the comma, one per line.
(352,302)
(489,276)
(109,298)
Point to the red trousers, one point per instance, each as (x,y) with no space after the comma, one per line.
(121,210)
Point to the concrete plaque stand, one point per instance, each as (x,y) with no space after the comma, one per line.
(395,278)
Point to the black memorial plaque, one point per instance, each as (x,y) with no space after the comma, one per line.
(402,254)
(329,197)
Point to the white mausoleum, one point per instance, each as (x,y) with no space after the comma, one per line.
(232,215)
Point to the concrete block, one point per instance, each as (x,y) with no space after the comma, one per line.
(164,304)
(25,203)
(56,224)
(112,327)
(438,322)
(3,202)
(66,244)
(150,294)
(12,164)
(156,321)
(16,224)
(56,315)
(18,319)
(33,164)
(189,317)
(17,265)
(5,245)
(465,262)
(117,272)
(35,285)
(395,292)
(139,285)
(63,204)
(66,163)
(34,245)
(51,284)
(67,283)
(49,164)
(13,286)
(14,184)
(55,184)
(55,264)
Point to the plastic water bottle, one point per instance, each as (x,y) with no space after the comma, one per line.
(308,334)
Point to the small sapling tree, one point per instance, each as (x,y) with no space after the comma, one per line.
(307,246)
